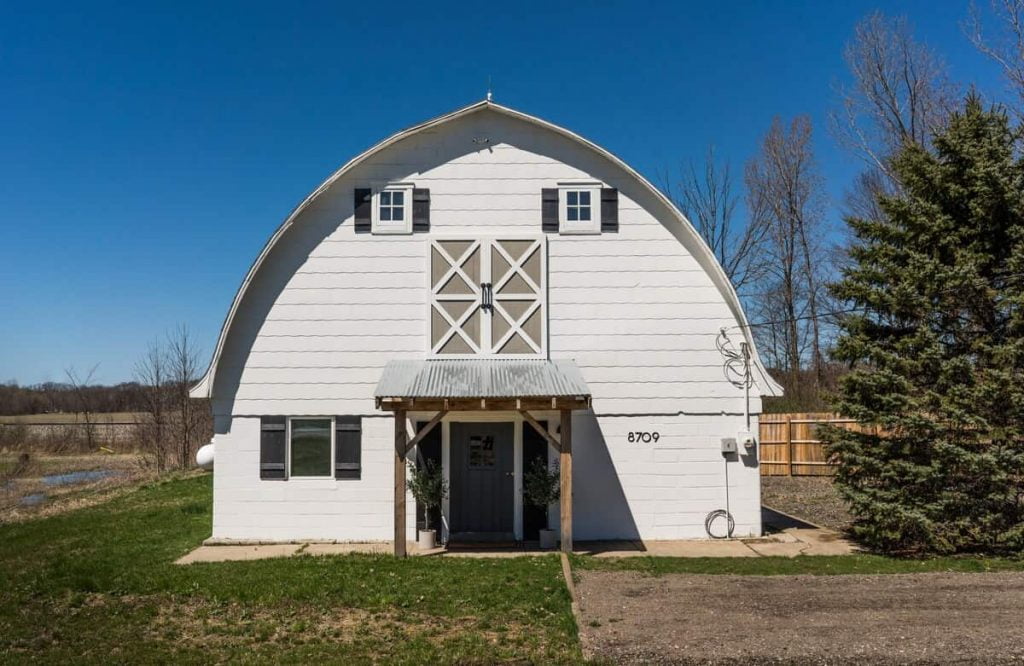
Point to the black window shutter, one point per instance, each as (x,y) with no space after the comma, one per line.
(421,209)
(348,436)
(609,209)
(272,448)
(549,210)
(362,203)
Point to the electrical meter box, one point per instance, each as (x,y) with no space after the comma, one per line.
(728,445)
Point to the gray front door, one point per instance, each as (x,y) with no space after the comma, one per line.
(481,500)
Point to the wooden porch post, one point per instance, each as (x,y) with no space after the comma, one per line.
(400,451)
(565,467)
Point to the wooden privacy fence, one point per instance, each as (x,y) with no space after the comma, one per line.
(789,446)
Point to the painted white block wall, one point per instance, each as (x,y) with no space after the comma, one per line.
(663,489)
(622,489)
(635,310)
(248,508)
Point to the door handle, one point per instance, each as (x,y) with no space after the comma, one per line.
(486,297)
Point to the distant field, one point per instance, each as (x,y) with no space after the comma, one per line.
(62,418)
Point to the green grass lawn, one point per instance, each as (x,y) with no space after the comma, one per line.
(818,565)
(98,585)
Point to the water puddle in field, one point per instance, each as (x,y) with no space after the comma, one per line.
(54,481)
(83,476)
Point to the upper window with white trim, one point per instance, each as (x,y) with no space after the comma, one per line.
(392,209)
(392,206)
(577,205)
(579,208)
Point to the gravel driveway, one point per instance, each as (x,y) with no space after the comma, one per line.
(885,619)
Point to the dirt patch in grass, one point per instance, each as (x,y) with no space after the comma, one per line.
(168,626)
(812,498)
(235,624)
(881,619)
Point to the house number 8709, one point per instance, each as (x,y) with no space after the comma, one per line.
(645,437)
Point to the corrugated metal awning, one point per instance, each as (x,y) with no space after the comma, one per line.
(484,378)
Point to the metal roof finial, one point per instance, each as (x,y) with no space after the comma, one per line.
(489,95)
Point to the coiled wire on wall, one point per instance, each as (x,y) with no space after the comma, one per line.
(736,366)
(715,515)
(721,513)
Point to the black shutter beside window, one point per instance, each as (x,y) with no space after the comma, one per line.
(362,202)
(348,436)
(421,209)
(272,448)
(609,209)
(549,210)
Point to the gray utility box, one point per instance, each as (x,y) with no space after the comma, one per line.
(728,445)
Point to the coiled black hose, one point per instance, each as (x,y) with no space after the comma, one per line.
(715,515)
(718,513)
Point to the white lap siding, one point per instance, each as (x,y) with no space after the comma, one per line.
(634,309)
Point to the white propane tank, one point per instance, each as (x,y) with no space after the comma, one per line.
(204,456)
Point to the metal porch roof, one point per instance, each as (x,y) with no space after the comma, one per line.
(483,378)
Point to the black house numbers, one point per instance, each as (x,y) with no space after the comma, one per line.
(643,436)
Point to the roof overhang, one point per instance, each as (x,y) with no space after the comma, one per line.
(702,253)
(488,384)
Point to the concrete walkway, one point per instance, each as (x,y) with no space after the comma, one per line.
(785,536)
(235,552)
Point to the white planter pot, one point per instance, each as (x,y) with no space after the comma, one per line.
(548,539)
(427,540)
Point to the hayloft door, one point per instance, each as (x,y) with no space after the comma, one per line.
(488,297)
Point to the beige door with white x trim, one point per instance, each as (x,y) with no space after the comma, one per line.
(488,297)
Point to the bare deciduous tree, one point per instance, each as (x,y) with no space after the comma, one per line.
(172,425)
(786,195)
(84,401)
(152,423)
(1006,47)
(900,91)
(183,370)
(706,197)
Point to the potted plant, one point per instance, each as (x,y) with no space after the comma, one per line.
(429,487)
(541,487)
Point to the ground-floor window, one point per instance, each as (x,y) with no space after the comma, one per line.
(311,447)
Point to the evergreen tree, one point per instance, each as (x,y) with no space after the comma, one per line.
(937,348)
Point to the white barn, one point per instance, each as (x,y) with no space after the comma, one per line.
(460,286)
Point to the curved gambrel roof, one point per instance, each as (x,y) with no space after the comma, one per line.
(702,253)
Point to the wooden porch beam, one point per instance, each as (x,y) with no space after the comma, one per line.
(424,431)
(552,440)
(400,452)
(481,404)
(565,470)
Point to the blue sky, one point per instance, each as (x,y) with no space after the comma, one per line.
(147,155)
